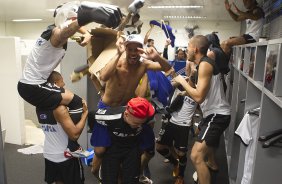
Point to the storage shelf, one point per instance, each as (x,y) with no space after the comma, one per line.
(275,99)
(257,81)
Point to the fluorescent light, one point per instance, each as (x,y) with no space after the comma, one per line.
(174,7)
(26,20)
(184,17)
(51,10)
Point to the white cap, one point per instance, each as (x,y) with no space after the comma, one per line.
(134,38)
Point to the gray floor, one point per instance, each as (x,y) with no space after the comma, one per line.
(29,169)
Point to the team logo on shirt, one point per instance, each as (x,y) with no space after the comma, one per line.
(43,116)
(39,42)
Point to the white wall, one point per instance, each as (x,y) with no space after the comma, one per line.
(11,108)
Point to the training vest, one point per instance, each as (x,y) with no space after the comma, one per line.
(42,60)
(254,27)
(215,100)
(56,139)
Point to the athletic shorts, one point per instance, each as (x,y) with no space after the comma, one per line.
(126,157)
(42,96)
(211,128)
(147,139)
(68,172)
(174,135)
(249,38)
(100,135)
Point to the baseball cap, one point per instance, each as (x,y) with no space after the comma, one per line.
(140,108)
(134,38)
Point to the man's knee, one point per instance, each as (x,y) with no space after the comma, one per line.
(67,97)
(164,151)
(99,151)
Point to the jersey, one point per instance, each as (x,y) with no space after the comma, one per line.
(254,27)
(121,133)
(248,132)
(215,101)
(183,116)
(42,60)
(56,139)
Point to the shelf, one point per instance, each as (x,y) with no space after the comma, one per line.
(275,99)
(256,84)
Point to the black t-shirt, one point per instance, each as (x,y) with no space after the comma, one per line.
(120,131)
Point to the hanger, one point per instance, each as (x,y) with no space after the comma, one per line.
(254,111)
(270,138)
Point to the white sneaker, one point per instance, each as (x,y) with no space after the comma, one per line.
(143,179)
(80,153)
(195,177)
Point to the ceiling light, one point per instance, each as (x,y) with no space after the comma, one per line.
(26,20)
(174,7)
(184,17)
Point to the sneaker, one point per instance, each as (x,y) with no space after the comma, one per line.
(179,180)
(195,177)
(175,171)
(166,160)
(80,153)
(143,179)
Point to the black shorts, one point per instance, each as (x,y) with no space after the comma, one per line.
(249,38)
(43,96)
(174,135)
(211,128)
(68,172)
(128,158)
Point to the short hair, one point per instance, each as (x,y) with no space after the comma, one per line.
(213,39)
(201,42)
(150,39)
(54,77)
(137,15)
(56,10)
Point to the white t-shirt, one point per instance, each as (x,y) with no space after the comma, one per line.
(42,60)
(183,117)
(248,131)
(254,27)
(56,141)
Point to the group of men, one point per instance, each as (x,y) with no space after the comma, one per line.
(120,128)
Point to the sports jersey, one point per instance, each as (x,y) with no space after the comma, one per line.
(56,139)
(183,117)
(248,132)
(254,27)
(121,133)
(42,60)
(215,101)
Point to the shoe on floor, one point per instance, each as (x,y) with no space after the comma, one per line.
(179,180)
(175,171)
(80,153)
(143,179)
(195,177)
(166,160)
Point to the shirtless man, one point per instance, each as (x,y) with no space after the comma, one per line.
(122,76)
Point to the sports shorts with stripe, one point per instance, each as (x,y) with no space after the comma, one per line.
(42,96)
(68,172)
(211,128)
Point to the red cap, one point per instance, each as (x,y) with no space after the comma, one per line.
(140,108)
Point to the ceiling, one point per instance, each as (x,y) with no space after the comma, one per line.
(16,9)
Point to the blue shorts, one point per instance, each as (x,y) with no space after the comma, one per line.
(100,136)
(147,139)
